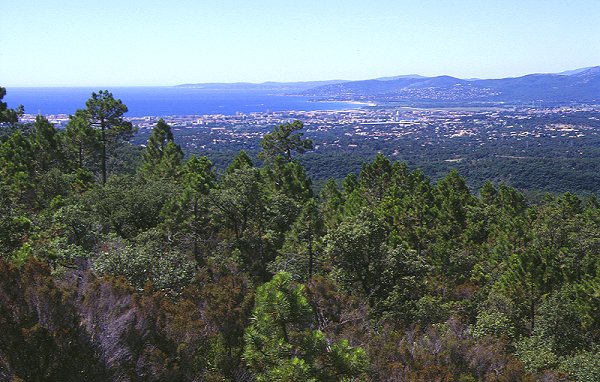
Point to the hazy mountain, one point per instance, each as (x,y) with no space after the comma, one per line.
(399,77)
(574,71)
(284,87)
(581,85)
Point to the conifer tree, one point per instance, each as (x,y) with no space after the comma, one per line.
(241,160)
(281,345)
(332,204)
(283,140)
(162,156)
(80,137)
(105,113)
(8,116)
(187,214)
(301,248)
(46,145)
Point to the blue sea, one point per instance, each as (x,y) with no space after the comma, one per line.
(164,101)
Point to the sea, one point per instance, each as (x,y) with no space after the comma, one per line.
(166,101)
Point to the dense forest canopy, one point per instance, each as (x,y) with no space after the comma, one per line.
(535,149)
(119,263)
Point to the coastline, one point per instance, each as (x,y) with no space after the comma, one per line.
(169,101)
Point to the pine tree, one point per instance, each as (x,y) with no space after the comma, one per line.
(283,140)
(187,215)
(81,139)
(162,156)
(8,116)
(280,344)
(105,113)
(241,160)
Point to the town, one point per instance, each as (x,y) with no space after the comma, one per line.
(513,145)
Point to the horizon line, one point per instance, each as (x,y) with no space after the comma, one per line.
(283,82)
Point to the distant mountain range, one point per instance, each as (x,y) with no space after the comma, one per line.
(265,86)
(579,85)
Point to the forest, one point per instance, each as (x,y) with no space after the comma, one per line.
(535,150)
(121,262)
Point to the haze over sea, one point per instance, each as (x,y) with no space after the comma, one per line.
(163,101)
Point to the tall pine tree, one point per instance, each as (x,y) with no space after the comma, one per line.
(162,157)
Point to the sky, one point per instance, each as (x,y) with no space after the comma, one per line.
(159,42)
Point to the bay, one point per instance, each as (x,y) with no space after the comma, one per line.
(165,101)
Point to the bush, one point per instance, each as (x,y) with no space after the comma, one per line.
(167,270)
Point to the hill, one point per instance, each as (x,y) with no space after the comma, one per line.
(285,87)
(581,85)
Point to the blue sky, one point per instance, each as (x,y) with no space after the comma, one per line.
(158,42)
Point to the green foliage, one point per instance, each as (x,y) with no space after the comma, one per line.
(105,114)
(239,200)
(432,281)
(430,310)
(524,281)
(251,218)
(8,116)
(560,324)
(375,178)
(289,179)
(301,251)
(332,203)
(126,205)
(81,140)
(186,216)
(16,163)
(166,270)
(535,354)
(497,317)
(284,140)
(280,346)
(15,225)
(493,323)
(358,248)
(389,277)
(77,224)
(162,156)
(240,161)
(582,367)
(46,145)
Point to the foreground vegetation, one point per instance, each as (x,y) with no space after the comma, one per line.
(124,265)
